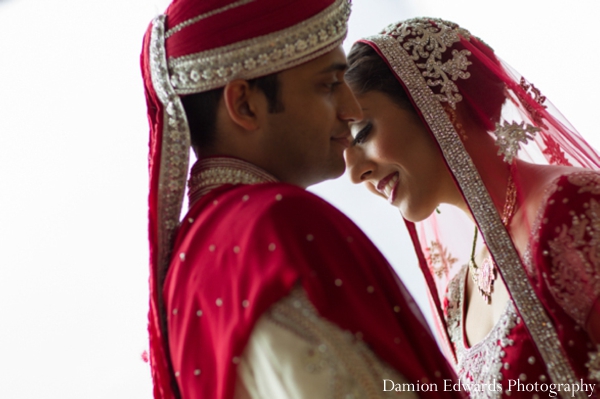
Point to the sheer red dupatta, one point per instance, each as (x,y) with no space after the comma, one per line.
(448,73)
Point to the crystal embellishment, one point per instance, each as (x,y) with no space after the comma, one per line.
(426,40)
(593,365)
(211,173)
(510,135)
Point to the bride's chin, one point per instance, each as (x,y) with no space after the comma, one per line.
(414,215)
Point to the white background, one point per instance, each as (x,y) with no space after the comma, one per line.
(73,178)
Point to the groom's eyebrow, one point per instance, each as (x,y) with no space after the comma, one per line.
(335,67)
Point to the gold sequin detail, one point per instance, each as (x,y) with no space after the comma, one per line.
(439,259)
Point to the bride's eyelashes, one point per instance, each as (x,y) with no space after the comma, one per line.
(361,136)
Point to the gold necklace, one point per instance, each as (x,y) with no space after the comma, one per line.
(485,275)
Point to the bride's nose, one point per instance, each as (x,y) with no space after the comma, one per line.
(359,168)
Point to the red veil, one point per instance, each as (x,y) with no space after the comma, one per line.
(449,73)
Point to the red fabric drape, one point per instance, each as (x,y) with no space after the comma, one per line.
(256,250)
(251,20)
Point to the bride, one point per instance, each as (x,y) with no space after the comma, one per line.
(501,197)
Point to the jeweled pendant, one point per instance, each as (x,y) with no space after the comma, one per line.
(485,279)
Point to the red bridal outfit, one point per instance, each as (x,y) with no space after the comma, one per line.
(533,218)
(263,289)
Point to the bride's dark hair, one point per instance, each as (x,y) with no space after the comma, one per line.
(368,72)
(483,95)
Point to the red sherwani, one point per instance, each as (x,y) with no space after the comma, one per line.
(242,248)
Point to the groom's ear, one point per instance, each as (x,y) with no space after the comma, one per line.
(246,105)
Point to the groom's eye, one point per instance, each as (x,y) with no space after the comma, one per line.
(361,136)
(330,86)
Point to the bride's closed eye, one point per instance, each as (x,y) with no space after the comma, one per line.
(361,136)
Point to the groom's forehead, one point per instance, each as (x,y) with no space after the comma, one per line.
(332,62)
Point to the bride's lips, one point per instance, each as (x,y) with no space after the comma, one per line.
(388,186)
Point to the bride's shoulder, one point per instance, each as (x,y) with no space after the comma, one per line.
(539,182)
(549,179)
(556,193)
(551,190)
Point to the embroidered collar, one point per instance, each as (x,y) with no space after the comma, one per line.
(208,174)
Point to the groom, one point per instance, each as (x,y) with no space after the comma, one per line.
(265,290)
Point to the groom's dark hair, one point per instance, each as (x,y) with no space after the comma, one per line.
(201,108)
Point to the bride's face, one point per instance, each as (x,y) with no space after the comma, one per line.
(397,159)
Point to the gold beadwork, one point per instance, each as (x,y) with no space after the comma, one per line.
(481,363)
(439,259)
(536,95)
(574,284)
(425,40)
(211,173)
(485,275)
(198,18)
(263,55)
(593,365)
(510,135)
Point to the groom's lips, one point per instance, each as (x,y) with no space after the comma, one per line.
(343,138)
